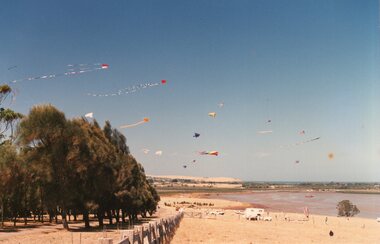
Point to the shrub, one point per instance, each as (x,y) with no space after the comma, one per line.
(347,209)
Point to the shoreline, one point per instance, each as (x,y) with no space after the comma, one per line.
(286,206)
(199,226)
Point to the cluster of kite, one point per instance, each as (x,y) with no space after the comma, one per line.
(302,133)
(73,70)
(197,135)
(129,90)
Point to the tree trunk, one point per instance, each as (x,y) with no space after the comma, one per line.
(100,219)
(109,215)
(75,215)
(64,220)
(86,219)
(123,216)
(117,215)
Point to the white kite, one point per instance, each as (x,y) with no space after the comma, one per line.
(212,114)
(89,115)
(70,72)
(129,89)
(158,153)
(265,132)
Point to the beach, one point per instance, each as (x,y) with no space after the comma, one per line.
(202,224)
(284,227)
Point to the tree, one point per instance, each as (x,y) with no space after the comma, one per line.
(45,132)
(8,118)
(347,209)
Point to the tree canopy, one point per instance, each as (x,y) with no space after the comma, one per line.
(71,166)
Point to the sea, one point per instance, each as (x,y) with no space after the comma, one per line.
(320,203)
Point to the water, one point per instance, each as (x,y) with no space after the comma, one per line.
(323,203)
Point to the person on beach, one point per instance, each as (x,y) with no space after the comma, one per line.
(326,220)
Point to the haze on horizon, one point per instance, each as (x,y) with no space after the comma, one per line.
(304,65)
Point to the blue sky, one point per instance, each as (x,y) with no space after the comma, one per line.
(305,65)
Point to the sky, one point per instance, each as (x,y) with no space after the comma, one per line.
(304,65)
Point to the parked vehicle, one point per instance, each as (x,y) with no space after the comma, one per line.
(253,213)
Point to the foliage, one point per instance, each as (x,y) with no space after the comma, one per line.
(66,166)
(347,209)
(8,118)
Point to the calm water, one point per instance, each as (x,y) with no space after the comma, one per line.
(323,203)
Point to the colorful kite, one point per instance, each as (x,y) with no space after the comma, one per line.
(91,68)
(213,153)
(129,90)
(196,135)
(145,120)
(212,114)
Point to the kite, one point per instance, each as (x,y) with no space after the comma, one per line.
(264,132)
(212,114)
(129,90)
(71,72)
(145,120)
(269,121)
(145,151)
(213,153)
(302,132)
(221,105)
(89,115)
(301,143)
(194,161)
(330,156)
(185,166)
(297,162)
(12,67)
(158,153)
(196,135)
(314,139)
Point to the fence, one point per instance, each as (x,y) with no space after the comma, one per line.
(161,231)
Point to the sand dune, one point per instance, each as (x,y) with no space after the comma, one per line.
(198,179)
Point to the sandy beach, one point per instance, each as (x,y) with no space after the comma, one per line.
(284,227)
(200,226)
